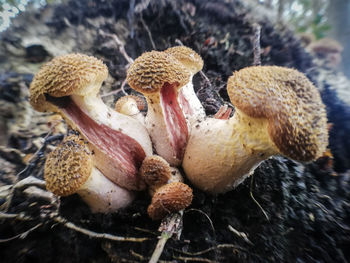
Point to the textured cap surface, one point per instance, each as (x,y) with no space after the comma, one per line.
(152,70)
(170,198)
(188,57)
(293,106)
(155,171)
(63,76)
(68,166)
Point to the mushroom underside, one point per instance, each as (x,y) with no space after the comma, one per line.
(121,152)
(174,118)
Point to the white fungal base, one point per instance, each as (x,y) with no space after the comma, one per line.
(221,153)
(102,195)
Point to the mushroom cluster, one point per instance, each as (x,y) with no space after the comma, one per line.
(277,111)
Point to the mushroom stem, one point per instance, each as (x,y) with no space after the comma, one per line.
(102,195)
(94,106)
(69,85)
(159,76)
(240,144)
(166,124)
(190,103)
(70,169)
(278,111)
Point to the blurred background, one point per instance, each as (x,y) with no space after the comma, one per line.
(312,19)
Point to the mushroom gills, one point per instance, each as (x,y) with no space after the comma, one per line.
(174,118)
(116,152)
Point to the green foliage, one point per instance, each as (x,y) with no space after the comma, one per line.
(309,16)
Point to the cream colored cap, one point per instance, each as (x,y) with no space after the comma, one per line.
(188,57)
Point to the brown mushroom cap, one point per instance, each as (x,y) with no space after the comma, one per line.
(155,171)
(188,57)
(152,70)
(326,45)
(168,199)
(68,167)
(141,105)
(63,76)
(291,103)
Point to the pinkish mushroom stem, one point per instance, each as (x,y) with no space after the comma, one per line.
(69,85)
(188,99)
(70,169)
(158,77)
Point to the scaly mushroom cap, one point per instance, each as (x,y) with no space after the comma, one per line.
(152,70)
(155,171)
(188,57)
(66,75)
(170,198)
(68,167)
(291,103)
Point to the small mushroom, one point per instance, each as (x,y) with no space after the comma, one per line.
(69,85)
(70,169)
(169,193)
(188,99)
(159,76)
(278,112)
(131,105)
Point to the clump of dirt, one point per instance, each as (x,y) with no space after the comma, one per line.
(306,211)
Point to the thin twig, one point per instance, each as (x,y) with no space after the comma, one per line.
(220,246)
(170,226)
(117,90)
(20,216)
(92,234)
(203,213)
(142,6)
(22,235)
(186,259)
(119,43)
(148,31)
(240,234)
(257,203)
(256,44)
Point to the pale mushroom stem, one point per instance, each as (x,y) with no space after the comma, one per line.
(102,195)
(240,144)
(190,103)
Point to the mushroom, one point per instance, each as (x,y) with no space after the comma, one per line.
(159,76)
(69,85)
(169,193)
(70,169)
(131,105)
(278,112)
(188,99)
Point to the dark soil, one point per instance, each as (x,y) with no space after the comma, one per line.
(308,205)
